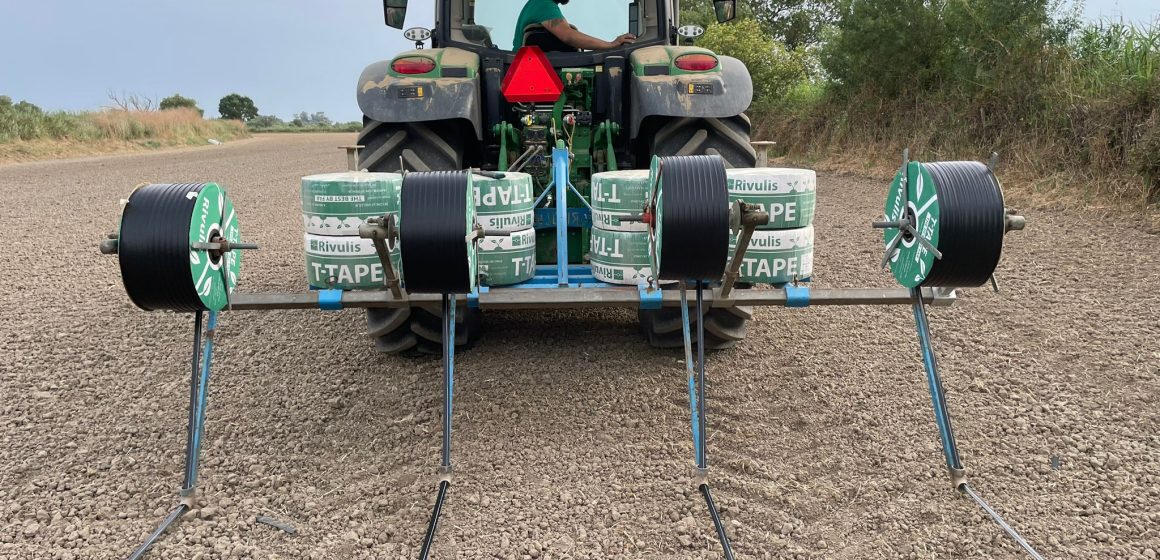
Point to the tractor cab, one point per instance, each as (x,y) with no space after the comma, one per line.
(490,24)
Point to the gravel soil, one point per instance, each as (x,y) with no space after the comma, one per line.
(572,436)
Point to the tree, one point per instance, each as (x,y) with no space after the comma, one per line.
(265,121)
(131,102)
(774,68)
(307,119)
(177,101)
(796,23)
(237,107)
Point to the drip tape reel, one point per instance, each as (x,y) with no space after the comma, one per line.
(437,233)
(945,223)
(176,247)
(689,209)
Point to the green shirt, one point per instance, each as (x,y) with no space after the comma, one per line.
(535,11)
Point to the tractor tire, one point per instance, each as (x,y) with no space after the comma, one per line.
(728,138)
(420,146)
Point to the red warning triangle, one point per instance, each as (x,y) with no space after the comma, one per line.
(531,78)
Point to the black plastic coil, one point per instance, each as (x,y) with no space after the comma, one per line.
(153,247)
(971,224)
(432,231)
(695,218)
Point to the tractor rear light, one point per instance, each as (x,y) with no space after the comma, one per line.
(413,65)
(695,62)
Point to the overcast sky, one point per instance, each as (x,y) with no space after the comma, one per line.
(288,55)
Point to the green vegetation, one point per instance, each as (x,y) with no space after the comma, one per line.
(26,131)
(237,107)
(302,122)
(774,68)
(177,101)
(1074,109)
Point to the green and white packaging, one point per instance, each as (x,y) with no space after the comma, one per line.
(338,203)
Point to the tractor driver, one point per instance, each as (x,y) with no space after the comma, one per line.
(544,26)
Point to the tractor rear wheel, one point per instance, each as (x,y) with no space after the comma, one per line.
(728,138)
(419,146)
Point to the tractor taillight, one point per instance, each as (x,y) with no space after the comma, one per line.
(413,65)
(695,62)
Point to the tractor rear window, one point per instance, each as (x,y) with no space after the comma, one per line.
(492,23)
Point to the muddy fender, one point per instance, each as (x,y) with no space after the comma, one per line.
(703,95)
(449,92)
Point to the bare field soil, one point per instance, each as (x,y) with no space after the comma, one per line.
(572,436)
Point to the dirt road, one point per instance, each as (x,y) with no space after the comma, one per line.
(572,436)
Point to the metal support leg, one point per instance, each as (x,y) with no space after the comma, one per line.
(701,461)
(693,408)
(560,179)
(697,406)
(198,393)
(946,433)
(448,390)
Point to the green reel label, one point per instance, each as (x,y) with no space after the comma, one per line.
(654,248)
(338,203)
(911,262)
(510,195)
(469,229)
(213,215)
(346,262)
(620,191)
(777,256)
(620,257)
(788,195)
(508,222)
(508,259)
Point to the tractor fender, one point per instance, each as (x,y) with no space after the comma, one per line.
(670,96)
(386,96)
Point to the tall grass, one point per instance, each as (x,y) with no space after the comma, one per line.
(24,122)
(1087,128)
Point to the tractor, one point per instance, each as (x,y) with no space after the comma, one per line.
(450,106)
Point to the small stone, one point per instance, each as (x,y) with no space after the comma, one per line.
(31,529)
(208,513)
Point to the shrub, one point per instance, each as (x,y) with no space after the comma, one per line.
(774,69)
(177,101)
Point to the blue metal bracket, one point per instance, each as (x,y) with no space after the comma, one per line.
(650,298)
(797,296)
(330,300)
(577,218)
(473,297)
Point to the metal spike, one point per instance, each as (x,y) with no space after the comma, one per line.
(890,248)
(1011,532)
(923,241)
